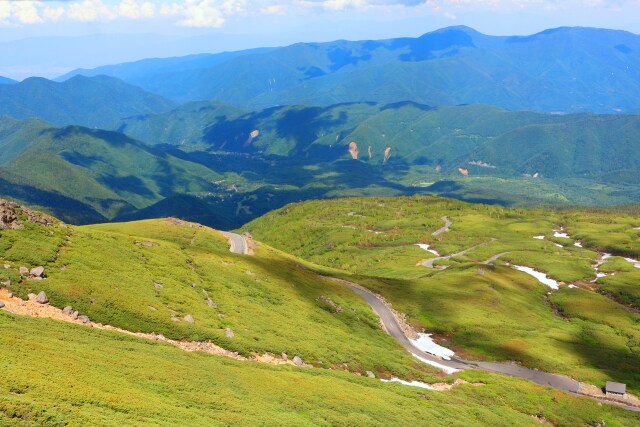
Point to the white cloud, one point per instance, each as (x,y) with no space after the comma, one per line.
(90,11)
(133,9)
(53,13)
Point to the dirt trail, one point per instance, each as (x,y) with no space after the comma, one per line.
(31,308)
(429,263)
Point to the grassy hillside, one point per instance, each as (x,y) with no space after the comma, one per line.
(451,66)
(488,311)
(106,171)
(94,102)
(146,276)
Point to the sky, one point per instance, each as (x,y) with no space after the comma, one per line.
(49,38)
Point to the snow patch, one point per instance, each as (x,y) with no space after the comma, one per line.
(578,244)
(599,275)
(558,245)
(539,237)
(412,383)
(426,344)
(635,262)
(427,248)
(542,278)
(559,234)
(443,368)
(572,286)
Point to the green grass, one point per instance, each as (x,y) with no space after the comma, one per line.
(484,312)
(73,375)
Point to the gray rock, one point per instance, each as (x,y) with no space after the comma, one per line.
(84,319)
(42,298)
(75,315)
(371,374)
(150,244)
(152,308)
(298,361)
(7,283)
(189,318)
(37,271)
(228,333)
(285,357)
(6,266)
(68,310)
(157,285)
(1,304)
(23,271)
(211,303)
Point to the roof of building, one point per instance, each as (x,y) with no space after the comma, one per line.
(612,387)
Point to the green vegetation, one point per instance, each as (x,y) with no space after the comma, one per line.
(73,375)
(483,311)
(93,102)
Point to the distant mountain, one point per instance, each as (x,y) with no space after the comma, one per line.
(106,173)
(153,74)
(93,102)
(6,81)
(484,139)
(558,70)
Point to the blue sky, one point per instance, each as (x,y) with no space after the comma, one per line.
(58,29)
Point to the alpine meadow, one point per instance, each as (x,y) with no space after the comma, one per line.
(328,213)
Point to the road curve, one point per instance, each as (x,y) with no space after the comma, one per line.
(238,244)
(444,229)
(393,328)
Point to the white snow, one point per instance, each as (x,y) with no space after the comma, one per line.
(636,228)
(558,245)
(578,244)
(542,278)
(572,286)
(445,369)
(412,383)
(635,262)
(599,275)
(539,237)
(558,234)
(427,248)
(426,344)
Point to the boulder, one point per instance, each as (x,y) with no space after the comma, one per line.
(189,318)
(371,374)
(67,310)
(211,303)
(75,315)
(285,357)
(23,271)
(157,285)
(37,271)
(84,319)
(1,304)
(228,333)
(150,244)
(42,298)
(7,283)
(298,361)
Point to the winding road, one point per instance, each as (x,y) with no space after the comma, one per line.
(238,244)
(393,328)
(444,229)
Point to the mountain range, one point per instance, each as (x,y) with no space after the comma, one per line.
(565,69)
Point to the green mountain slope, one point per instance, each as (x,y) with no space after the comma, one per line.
(148,276)
(94,102)
(108,171)
(586,329)
(457,65)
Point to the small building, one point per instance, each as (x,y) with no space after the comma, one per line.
(615,389)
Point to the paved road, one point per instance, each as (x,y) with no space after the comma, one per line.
(444,229)
(429,263)
(393,328)
(237,242)
(391,325)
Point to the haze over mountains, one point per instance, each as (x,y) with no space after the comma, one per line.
(564,69)
(266,127)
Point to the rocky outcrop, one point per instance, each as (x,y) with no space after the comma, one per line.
(353,150)
(189,318)
(37,272)
(228,333)
(12,216)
